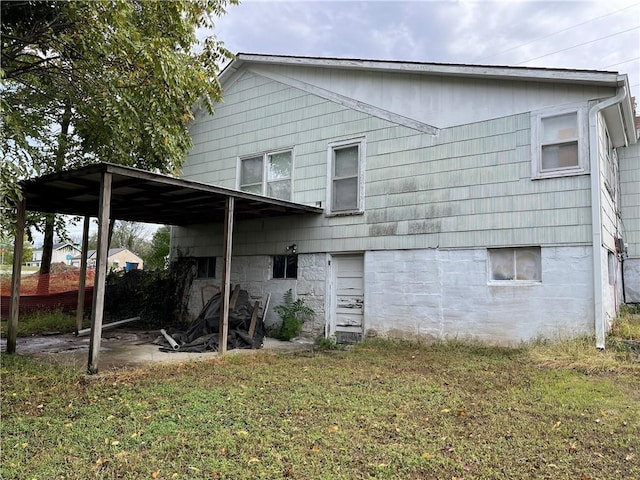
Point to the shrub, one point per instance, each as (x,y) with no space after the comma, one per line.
(293,313)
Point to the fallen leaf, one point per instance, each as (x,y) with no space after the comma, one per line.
(253,460)
(462,413)
(445,410)
(556,425)
(427,455)
(315,448)
(383,465)
(629,457)
(115,443)
(333,428)
(68,425)
(242,432)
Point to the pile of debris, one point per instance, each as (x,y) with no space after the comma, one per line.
(245,329)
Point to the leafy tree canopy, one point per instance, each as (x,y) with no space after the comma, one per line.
(115,81)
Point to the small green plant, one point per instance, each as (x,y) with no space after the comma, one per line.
(293,313)
(328,343)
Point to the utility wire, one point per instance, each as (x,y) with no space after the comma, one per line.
(579,45)
(555,33)
(620,63)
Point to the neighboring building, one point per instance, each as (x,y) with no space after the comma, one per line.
(117,259)
(459,200)
(62,253)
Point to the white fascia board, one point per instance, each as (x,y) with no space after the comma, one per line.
(588,77)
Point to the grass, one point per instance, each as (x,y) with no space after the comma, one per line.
(36,323)
(384,409)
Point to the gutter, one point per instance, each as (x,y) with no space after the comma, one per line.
(596,212)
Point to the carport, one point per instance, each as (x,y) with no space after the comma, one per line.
(113,192)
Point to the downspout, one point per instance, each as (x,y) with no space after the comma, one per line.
(596,213)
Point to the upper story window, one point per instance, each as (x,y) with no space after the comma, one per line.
(345,189)
(267,174)
(611,167)
(558,143)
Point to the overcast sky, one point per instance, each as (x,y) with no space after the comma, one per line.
(599,35)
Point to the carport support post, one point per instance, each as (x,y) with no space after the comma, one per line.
(226,275)
(14,305)
(99,286)
(83,273)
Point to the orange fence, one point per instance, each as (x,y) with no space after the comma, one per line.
(47,292)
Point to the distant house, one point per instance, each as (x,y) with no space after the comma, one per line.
(117,259)
(62,253)
(495,203)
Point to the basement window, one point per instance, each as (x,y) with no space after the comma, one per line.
(285,266)
(557,142)
(206,267)
(521,264)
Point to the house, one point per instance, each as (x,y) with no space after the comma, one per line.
(62,253)
(118,259)
(480,202)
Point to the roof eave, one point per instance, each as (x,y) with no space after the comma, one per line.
(532,74)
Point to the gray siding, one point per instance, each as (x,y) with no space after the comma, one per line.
(629,159)
(468,187)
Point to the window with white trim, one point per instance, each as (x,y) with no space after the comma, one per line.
(611,166)
(345,189)
(519,264)
(558,143)
(267,174)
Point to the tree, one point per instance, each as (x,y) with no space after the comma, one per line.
(110,81)
(158,254)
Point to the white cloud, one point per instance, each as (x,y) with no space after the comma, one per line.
(483,32)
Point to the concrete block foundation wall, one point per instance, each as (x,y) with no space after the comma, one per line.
(434,294)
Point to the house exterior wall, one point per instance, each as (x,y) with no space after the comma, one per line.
(433,205)
(629,158)
(468,187)
(437,294)
(442,101)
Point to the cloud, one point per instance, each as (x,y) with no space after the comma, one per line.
(563,34)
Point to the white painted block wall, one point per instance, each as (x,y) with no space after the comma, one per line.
(253,273)
(445,294)
(437,294)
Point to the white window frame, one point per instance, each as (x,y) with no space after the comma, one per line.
(536,143)
(265,171)
(611,164)
(360,142)
(513,281)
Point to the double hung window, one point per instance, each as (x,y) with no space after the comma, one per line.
(558,143)
(268,174)
(346,177)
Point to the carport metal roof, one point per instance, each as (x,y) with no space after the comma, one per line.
(141,196)
(113,192)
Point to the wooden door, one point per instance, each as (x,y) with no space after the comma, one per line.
(348,298)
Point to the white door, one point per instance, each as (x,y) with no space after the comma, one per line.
(348,297)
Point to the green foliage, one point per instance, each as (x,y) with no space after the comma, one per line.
(89,81)
(328,343)
(158,252)
(37,323)
(293,313)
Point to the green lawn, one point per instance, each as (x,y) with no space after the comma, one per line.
(381,410)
